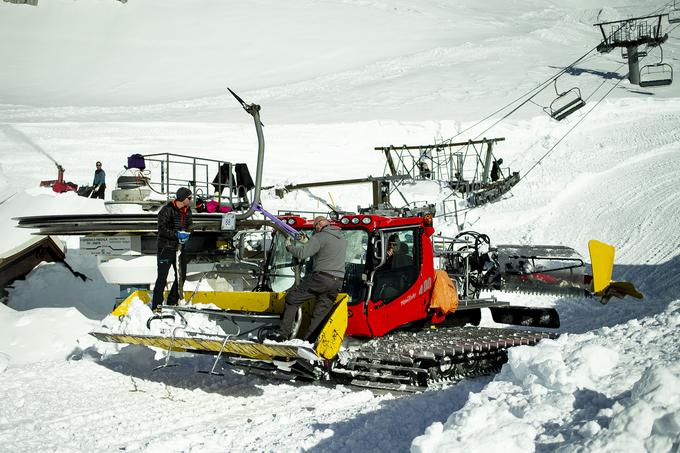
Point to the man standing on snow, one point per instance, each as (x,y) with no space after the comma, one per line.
(174,222)
(328,248)
(99,182)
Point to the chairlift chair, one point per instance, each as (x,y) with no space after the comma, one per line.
(656,74)
(565,103)
(674,13)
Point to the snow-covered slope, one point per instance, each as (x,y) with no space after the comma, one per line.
(99,80)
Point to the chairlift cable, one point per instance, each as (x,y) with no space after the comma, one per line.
(571,129)
(543,86)
(587,113)
(539,87)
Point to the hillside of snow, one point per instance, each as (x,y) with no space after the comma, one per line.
(83,81)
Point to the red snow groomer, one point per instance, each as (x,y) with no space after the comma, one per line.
(58,185)
(411,301)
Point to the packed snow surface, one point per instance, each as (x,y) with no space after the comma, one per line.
(83,81)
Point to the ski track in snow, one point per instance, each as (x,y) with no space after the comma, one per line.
(174,409)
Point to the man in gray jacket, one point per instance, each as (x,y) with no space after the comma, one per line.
(328,247)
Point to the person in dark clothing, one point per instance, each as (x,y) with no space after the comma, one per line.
(392,277)
(496,170)
(425,171)
(99,182)
(174,223)
(396,253)
(328,247)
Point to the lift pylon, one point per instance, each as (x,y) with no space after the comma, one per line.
(629,34)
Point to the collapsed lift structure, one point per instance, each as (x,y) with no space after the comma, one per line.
(466,167)
(629,35)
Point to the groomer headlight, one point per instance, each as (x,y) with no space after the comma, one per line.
(355,220)
(366,220)
(344,220)
(291,221)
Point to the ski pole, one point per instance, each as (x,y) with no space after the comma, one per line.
(280,224)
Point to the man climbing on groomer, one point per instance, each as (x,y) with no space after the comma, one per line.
(327,248)
(174,224)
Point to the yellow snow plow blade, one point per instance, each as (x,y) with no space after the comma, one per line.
(246,301)
(187,344)
(602,260)
(241,304)
(333,332)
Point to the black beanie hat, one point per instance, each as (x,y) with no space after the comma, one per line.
(182,194)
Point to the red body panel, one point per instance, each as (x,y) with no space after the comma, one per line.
(410,306)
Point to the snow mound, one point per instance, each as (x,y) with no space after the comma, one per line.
(42,334)
(590,392)
(184,325)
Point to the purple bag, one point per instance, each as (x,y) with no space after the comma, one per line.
(136,161)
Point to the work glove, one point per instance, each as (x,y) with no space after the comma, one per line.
(303,238)
(289,241)
(182,236)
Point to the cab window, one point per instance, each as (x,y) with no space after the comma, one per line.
(282,276)
(401,267)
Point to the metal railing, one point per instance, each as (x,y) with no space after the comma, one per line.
(204,177)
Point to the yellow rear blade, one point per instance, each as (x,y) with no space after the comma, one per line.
(602,259)
(331,336)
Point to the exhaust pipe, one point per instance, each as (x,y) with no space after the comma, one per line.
(254,111)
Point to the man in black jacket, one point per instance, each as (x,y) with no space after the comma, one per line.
(174,222)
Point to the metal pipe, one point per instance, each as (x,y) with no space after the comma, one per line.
(441,145)
(254,110)
(633,65)
(167,166)
(487,163)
